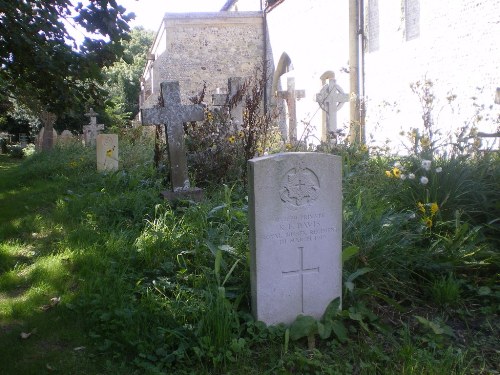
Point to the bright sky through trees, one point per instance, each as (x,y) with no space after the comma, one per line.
(149,13)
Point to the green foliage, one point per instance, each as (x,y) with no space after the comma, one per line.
(122,78)
(219,149)
(39,68)
(149,287)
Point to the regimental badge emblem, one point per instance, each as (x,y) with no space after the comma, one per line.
(300,186)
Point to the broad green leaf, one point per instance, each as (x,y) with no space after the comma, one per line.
(332,309)
(339,330)
(303,326)
(349,252)
(227,249)
(484,291)
(211,247)
(324,330)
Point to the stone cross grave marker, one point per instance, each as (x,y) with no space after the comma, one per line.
(91,130)
(49,136)
(331,98)
(172,115)
(295,211)
(291,96)
(221,100)
(107,152)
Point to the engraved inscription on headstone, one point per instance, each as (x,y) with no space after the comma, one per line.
(295,207)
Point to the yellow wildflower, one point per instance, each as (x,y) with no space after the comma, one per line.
(421,207)
(434,208)
(428,222)
(425,142)
(364,148)
(241,134)
(388,173)
(396,171)
(231,139)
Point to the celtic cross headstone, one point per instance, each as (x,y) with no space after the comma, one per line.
(331,98)
(49,135)
(291,96)
(295,211)
(172,115)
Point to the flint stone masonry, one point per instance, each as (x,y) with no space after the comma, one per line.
(295,207)
(195,47)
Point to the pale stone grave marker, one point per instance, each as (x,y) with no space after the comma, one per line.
(107,152)
(232,101)
(91,131)
(65,137)
(23,140)
(331,98)
(295,210)
(291,96)
(172,115)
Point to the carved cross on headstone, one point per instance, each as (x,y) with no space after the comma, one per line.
(232,101)
(91,131)
(331,98)
(172,115)
(291,96)
(301,271)
(48,120)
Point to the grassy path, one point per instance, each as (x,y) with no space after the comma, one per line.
(38,334)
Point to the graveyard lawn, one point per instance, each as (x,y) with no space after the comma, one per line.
(98,275)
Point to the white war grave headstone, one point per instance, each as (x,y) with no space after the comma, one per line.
(330,99)
(173,115)
(48,134)
(107,152)
(91,130)
(232,101)
(291,96)
(295,211)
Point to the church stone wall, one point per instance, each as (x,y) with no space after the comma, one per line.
(206,47)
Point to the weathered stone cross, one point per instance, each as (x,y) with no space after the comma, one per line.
(331,98)
(291,96)
(91,131)
(301,271)
(48,120)
(234,85)
(172,115)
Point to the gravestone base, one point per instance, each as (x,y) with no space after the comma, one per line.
(193,194)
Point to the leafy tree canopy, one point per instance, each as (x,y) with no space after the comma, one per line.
(41,63)
(122,78)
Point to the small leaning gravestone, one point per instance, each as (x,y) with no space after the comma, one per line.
(295,210)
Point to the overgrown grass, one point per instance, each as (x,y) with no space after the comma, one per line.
(105,278)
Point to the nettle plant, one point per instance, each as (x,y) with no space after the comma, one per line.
(219,148)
